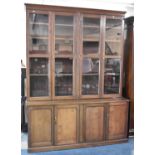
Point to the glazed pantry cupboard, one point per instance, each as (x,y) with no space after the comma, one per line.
(74,77)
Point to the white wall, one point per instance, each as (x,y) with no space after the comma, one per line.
(120,5)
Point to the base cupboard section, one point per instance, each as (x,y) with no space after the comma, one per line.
(77,125)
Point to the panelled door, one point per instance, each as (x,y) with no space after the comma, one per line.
(40,126)
(94,121)
(118,115)
(66,124)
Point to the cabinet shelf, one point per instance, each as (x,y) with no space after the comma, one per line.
(38,23)
(110,28)
(91,39)
(117,41)
(38,74)
(64,38)
(38,36)
(111,86)
(63,74)
(91,74)
(112,74)
(69,25)
(91,26)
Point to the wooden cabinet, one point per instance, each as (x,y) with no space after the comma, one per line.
(74,77)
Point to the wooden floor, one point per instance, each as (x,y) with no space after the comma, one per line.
(115,149)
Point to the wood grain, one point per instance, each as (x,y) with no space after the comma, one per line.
(40,126)
(66,125)
(94,123)
(117,121)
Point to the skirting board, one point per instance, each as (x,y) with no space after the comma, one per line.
(73,146)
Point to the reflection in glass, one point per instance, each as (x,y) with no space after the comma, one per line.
(38,44)
(111,76)
(38,18)
(90,47)
(63,76)
(39,30)
(113,23)
(68,20)
(112,48)
(91,21)
(39,86)
(113,36)
(39,80)
(64,46)
(64,31)
(38,66)
(91,34)
(64,34)
(90,76)
(38,33)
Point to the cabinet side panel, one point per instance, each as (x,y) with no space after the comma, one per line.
(40,126)
(94,123)
(118,121)
(66,129)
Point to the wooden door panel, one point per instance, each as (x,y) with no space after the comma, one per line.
(40,127)
(118,121)
(66,125)
(94,123)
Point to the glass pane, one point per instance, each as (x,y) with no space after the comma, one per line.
(111,76)
(91,35)
(113,29)
(63,77)
(90,47)
(38,44)
(64,34)
(113,36)
(64,46)
(112,48)
(38,33)
(62,31)
(39,80)
(38,18)
(39,86)
(39,66)
(91,21)
(39,30)
(90,76)
(64,20)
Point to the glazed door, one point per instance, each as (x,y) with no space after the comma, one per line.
(38,61)
(113,48)
(94,123)
(66,124)
(64,55)
(90,56)
(118,115)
